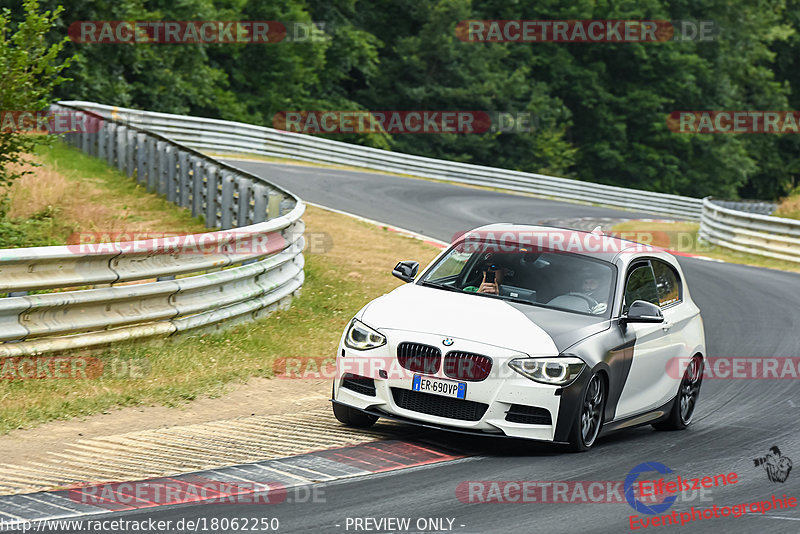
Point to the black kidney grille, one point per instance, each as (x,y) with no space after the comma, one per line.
(419,358)
(467,365)
(359,384)
(439,406)
(529,415)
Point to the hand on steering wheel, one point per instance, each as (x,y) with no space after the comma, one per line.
(589,300)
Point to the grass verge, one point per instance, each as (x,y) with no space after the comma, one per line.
(682,237)
(789,207)
(71,192)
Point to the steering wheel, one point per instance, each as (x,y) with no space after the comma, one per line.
(589,300)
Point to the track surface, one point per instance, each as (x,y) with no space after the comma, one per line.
(748,312)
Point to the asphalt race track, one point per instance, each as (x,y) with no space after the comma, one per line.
(748,312)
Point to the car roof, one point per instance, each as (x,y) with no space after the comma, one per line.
(591,244)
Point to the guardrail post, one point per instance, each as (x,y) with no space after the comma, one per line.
(244,190)
(111,143)
(198,185)
(122,147)
(172,175)
(101,140)
(274,205)
(130,152)
(211,195)
(163,169)
(226,211)
(184,179)
(260,194)
(142,146)
(87,137)
(153,157)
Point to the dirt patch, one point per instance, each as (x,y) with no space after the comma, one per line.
(259,396)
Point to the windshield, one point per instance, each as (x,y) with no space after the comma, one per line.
(555,279)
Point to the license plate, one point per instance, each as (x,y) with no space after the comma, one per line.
(437,386)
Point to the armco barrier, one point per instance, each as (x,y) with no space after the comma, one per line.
(237,138)
(774,237)
(235,282)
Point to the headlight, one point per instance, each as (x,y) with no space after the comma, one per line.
(555,371)
(361,337)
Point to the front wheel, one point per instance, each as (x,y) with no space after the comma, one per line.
(588,423)
(685,401)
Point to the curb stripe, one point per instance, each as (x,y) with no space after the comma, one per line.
(260,478)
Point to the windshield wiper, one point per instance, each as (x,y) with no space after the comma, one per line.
(440,286)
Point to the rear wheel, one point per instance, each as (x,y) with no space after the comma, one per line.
(588,423)
(685,401)
(352,417)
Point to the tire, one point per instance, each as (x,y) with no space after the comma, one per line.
(685,401)
(352,417)
(589,421)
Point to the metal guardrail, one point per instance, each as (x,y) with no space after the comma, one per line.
(762,235)
(236,275)
(238,138)
(750,206)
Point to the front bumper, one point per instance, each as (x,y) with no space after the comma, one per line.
(503,393)
(415,422)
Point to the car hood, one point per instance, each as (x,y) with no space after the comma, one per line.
(530,329)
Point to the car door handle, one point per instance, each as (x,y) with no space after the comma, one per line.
(666,326)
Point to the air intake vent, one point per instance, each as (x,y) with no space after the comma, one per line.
(359,384)
(528,415)
(439,406)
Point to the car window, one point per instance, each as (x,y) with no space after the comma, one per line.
(641,285)
(667,283)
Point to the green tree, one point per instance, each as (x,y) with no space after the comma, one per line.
(29,70)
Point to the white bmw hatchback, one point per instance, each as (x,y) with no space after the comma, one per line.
(528,332)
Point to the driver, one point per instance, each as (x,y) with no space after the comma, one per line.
(590,285)
(592,288)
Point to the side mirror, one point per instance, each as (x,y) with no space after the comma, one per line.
(642,311)
(406,270)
